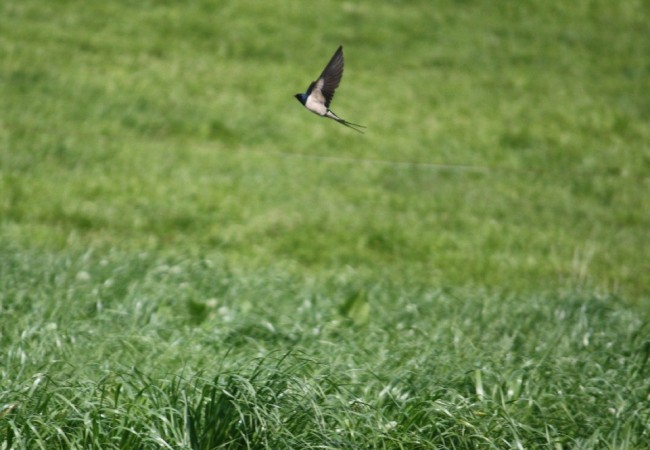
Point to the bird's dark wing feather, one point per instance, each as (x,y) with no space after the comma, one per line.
(331,76)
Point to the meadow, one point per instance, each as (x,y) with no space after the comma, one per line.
(191,260)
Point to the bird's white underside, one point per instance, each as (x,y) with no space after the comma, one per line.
(316,101)
(315,106)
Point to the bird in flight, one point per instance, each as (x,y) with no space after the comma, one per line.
(320,93)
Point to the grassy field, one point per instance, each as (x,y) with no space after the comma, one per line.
(190,260)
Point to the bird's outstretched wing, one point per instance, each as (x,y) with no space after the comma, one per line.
(329,80)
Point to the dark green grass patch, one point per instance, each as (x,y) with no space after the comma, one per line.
(111,351)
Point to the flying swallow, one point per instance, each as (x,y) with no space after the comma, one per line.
(320,93)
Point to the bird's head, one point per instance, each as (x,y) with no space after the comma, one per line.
(301,98)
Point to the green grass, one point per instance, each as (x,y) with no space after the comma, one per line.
(124,352)
(188,259)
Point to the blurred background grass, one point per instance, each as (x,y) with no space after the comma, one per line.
(170,127)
